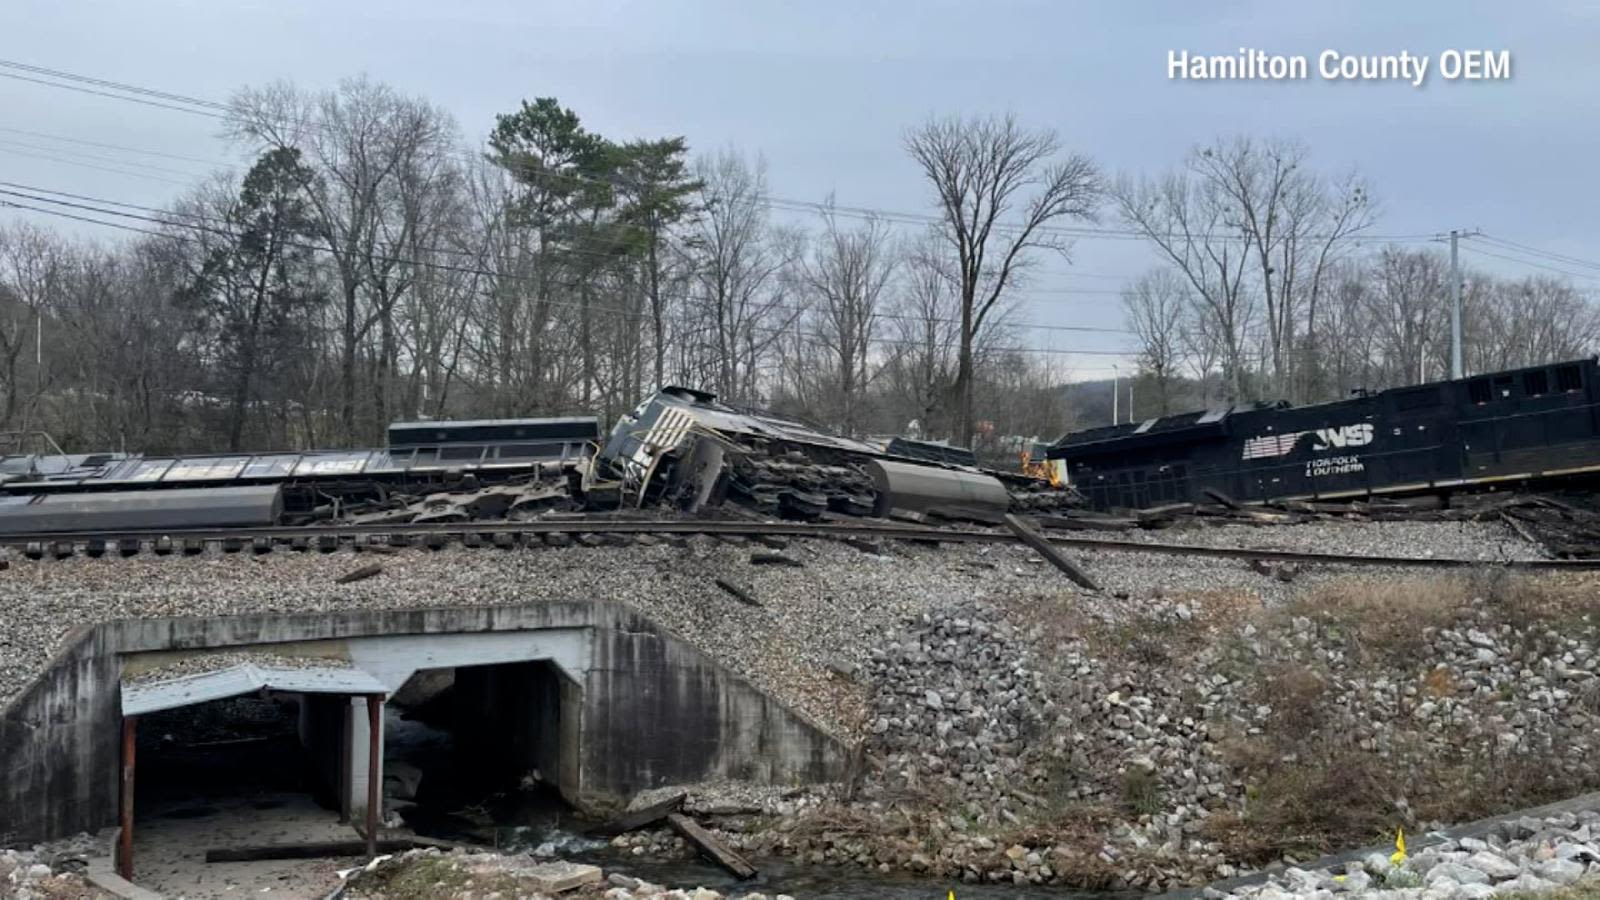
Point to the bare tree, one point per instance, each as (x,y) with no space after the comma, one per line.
(741,264)
(1406,313)
(1155,307)
(374,153)
(1294,225)
(983,171)
(1189,223)
(920,369)
(30,274)
(847,274)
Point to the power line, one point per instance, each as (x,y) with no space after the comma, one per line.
(115,85)
(210,108)
(84,165)
(471,271)
(448,251)
(44,135)
(1546,254)
(1528,262)
(188,173)
(85,90)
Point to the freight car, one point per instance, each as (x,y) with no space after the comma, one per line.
(135,490)
(1522,425)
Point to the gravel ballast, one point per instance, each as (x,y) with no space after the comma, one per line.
(815,621)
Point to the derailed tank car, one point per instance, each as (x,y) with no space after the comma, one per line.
(1532,424)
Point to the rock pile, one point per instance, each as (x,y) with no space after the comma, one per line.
(1524,855)
(50,872)
(1187,740)
(957,711)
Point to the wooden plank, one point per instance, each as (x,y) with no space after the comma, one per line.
(773,558)
(743,595)
(642,817)
(1086,522)
(308,850)
(1047,550)
(1220,497)
(708,844)
(360,574)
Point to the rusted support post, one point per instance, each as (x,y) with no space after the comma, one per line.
(130,725)
(374,732)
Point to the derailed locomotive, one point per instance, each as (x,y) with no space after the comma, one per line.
(1521,425)
(682,448)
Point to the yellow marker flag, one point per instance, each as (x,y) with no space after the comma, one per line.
(1399,854)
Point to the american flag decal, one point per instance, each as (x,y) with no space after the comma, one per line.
(1271,445)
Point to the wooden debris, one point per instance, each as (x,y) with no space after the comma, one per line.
(711,847)
(308,850)
(775,559)
(642,817)
(1222,498)
(863,544)
(361,574)
(1044,548)
(743,595)
(1162,516)
(1087,522)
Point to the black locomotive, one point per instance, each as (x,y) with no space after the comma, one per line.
(1521,425)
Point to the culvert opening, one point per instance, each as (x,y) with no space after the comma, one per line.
(228,775)
(479,753)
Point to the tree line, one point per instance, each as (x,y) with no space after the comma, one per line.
(1269,289)
(370,265)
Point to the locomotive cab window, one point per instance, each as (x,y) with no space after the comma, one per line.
(1535,384)
(1569,378)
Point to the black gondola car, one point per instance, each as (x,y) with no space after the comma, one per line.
(1528,424)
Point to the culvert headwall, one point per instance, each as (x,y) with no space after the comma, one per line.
(642,708)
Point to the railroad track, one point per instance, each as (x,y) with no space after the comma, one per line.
(509,534)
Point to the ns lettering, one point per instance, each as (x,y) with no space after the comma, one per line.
(1358,435)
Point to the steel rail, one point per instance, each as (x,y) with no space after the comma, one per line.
(354,534)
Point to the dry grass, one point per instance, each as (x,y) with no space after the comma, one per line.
(1559,601)
(1389,621)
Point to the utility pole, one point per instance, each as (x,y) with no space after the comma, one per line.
(1455,305)
(1114,395)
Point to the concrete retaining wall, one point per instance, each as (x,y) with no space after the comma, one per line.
(651,710)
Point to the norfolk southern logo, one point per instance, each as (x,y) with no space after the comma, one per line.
(1271,446)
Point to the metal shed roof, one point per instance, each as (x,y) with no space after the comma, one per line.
(246,678)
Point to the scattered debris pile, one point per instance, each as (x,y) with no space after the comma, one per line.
(1566,526)
(51,872)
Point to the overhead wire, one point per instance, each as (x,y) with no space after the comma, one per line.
(463,270)
(448,251)
(222,110)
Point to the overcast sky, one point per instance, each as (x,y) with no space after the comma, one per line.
(825,90)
